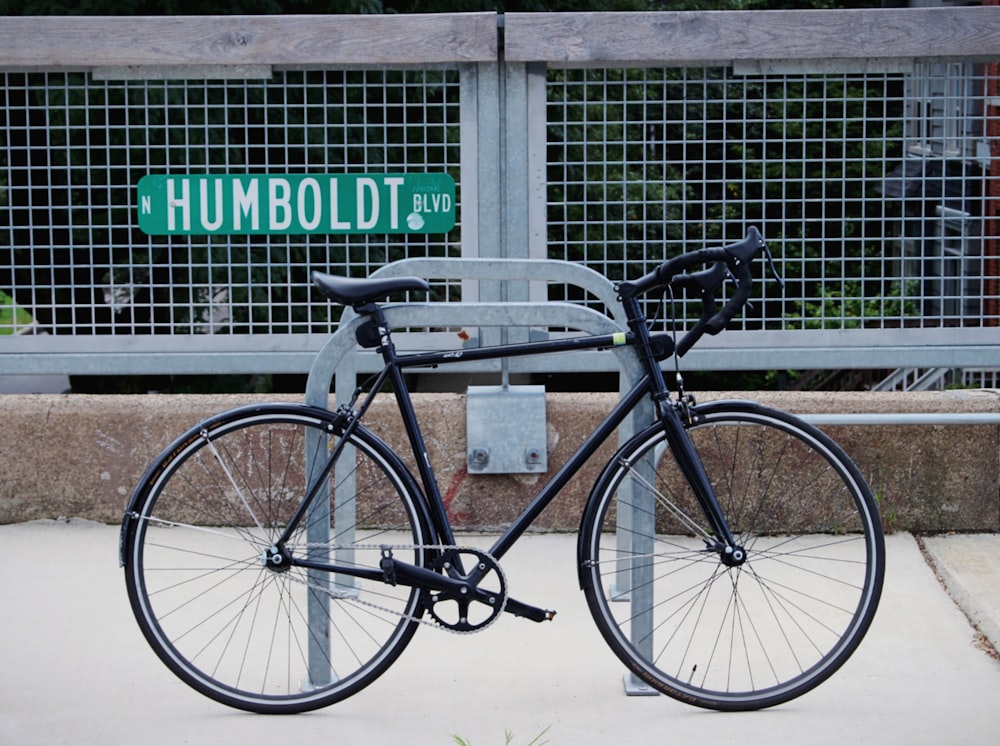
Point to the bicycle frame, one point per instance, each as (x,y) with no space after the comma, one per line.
(272,613)
(652,383)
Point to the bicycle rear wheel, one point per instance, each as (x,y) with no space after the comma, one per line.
(214,599)
(724,635)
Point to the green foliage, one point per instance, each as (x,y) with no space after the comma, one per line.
(509,739)
(137,7)
(11,316)
(185,7)
(847,307)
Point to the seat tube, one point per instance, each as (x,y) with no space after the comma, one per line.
(411,425)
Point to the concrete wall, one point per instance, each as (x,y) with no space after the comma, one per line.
(81,456)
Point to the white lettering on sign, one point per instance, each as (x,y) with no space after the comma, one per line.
(394,183)
(207,223)
(338,224)
(432,203)
(367,191)
(182,203)
(296,203)
(305,220)
(246,204)
(279,196)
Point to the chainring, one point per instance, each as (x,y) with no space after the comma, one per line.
(484,596)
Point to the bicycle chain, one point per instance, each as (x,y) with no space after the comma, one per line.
(410,617)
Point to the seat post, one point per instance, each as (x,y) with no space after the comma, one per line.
(376,317)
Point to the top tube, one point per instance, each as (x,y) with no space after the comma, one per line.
(731,261)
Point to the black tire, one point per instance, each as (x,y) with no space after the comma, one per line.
(731,636)
(236,624)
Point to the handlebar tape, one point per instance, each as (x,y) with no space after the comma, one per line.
(732,260)
(733,256)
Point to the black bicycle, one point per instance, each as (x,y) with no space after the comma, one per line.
(280,557)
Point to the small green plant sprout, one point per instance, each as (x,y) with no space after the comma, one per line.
(509,739)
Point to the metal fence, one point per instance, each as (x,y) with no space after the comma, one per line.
(76,147)
(871,173)
(878,215)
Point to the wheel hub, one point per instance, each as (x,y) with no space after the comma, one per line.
(276,558)
(733,556)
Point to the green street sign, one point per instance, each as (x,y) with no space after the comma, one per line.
(296,203)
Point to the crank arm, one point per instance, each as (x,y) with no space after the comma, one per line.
(422,578)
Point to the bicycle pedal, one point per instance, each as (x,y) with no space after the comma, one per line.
(525,611)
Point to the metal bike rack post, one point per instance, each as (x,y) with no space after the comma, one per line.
(339,360)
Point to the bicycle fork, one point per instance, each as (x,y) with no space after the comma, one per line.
(680,443)
(730,552)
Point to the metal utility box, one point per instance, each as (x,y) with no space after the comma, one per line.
(505,428)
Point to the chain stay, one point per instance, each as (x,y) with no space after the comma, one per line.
(432,623)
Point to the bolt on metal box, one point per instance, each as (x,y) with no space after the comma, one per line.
(505,428)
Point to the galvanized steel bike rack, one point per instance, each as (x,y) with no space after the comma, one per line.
(340,361)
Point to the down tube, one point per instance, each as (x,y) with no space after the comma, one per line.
(611,423)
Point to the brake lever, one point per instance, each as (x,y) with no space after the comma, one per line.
(732,277)
(773,267)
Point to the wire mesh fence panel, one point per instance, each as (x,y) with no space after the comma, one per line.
(73,149)
(876,190)
(871,188)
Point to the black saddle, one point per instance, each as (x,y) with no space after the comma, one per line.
(353,291)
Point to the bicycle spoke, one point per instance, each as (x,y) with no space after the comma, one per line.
(746,634)
(223,605)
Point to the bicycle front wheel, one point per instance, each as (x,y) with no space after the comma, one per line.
(214,590)
(700,627)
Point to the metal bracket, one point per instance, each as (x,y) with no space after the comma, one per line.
(506,429)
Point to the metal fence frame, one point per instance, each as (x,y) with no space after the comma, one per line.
(504,146)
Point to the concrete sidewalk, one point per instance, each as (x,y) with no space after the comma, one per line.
(77,671)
